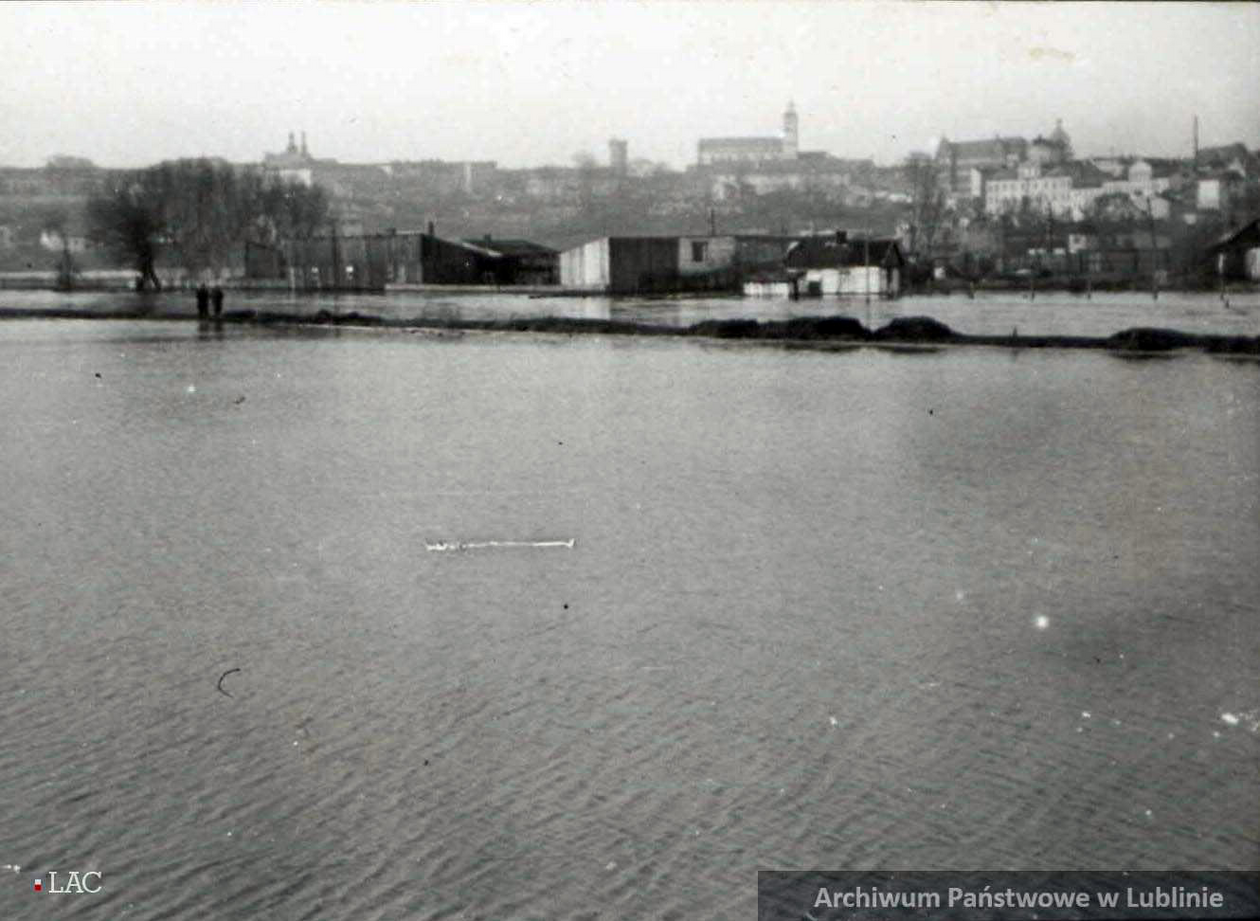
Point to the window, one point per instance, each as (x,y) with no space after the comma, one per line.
(699,250)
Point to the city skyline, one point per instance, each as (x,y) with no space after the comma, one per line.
(533,84)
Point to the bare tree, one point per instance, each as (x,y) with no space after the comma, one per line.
(199,211)
(55,225)
(927,204)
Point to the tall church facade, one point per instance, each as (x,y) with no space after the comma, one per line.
(753,150)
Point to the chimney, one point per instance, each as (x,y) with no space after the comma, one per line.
(304,144)
(431,225)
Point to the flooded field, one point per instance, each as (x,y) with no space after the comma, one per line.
(322,623)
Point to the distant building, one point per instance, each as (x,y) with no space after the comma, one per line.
(1052,150)
(1065,190)
(22,182)
(342,180)
(956,159)
(1144,179)
(1216,191)
(469,177)
(715,151)
(291,156)
(293,164)
(811,171)
(1234,158)
(63,162)
(1069,189)
(565,185)
(732,167)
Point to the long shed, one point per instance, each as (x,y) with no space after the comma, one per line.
(622,265)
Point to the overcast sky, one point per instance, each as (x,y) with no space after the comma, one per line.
(524,84)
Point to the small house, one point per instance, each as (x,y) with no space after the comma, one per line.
(1236,255)
(835,264)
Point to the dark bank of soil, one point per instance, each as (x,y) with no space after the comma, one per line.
(800,330)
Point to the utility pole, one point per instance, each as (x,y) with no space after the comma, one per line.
(866,272)
(1150,214)
(336,268)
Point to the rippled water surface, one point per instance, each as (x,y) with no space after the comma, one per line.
(952,610)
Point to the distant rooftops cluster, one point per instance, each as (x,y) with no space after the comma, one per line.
(1009,174)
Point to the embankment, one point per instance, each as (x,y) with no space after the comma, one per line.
(822,332)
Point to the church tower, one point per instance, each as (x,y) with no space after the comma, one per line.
(791,138)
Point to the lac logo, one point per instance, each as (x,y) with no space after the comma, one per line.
(73,882)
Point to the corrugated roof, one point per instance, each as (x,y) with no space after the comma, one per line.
(511,247)
(828,252)
(1247,231)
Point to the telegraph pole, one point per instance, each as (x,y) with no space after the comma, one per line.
(866,272)
(336,269)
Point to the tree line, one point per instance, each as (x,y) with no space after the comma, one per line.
(197,213)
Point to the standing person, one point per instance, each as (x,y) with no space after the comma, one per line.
(203,301)
(216,297)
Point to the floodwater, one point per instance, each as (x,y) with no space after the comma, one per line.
(569,627)
(988,313)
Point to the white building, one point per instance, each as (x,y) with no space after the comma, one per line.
(1141,181)
(1046,190)
(1069,190)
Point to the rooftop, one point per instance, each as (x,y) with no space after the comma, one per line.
(831,252)
(764,142)
(993,147)
(506,247)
